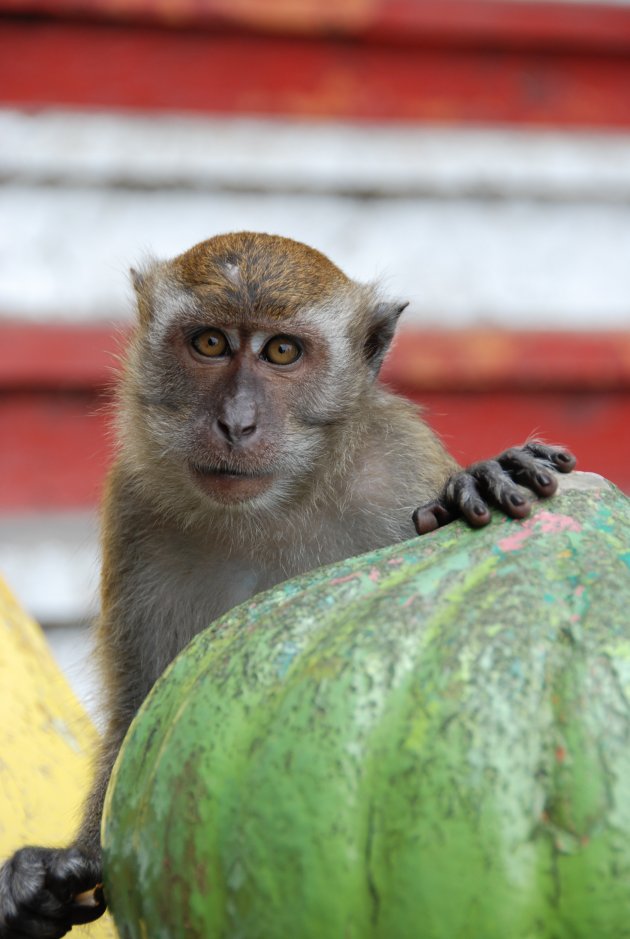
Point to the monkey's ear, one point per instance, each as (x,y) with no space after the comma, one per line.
(381,332)
(139,281)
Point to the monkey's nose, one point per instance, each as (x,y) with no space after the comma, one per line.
(234,431)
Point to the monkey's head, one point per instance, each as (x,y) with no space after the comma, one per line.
(252,353)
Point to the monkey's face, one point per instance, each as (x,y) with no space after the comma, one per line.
(246,410)
(254,355)
(249,386)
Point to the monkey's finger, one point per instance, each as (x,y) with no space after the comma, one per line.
(462,494)
(497,485)
(430,516)
(88,906)
(33,923)
(560,458)
(26,898)
(43,904)
(88,897)
(36,927)
(86,914)
(70,873)
(529,471)
(42,916)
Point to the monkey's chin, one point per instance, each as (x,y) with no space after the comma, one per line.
(226,487)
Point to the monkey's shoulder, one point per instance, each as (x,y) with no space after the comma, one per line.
(401,460)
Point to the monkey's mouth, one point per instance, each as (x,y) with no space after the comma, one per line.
(230,471)
(231,483)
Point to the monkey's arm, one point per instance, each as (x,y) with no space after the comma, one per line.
(469,492)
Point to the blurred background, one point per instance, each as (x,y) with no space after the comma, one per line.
(472,155)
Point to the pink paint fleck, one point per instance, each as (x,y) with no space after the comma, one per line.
(343,580)
(549,523)
(409,601)
(374,575)
(579,590)
(575,618)
(516,541)
(395,561)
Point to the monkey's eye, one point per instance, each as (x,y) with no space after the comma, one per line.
(211,343)
(282,351)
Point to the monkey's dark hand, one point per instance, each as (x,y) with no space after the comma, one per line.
(469,492)
(40,892)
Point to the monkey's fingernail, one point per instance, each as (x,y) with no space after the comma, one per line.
(562,458)
(515,499)
(543,479)
(425,522)
(93,897)
(479,508)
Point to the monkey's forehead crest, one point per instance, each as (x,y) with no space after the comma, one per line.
(259,273)
(233,273)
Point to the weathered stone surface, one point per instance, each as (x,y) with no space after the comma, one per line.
(430,741)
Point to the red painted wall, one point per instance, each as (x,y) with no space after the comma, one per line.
(482,391)
(449,61)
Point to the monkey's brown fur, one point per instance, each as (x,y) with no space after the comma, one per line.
(277,274)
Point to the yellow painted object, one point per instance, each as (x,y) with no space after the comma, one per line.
(46,742)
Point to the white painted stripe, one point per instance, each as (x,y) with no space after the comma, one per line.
(516,229)
(381,159)
(51,561)
(64,252)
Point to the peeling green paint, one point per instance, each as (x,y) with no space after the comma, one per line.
(429,741)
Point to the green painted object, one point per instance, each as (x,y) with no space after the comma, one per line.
(428,742)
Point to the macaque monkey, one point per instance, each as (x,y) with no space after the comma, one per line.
(255,443)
